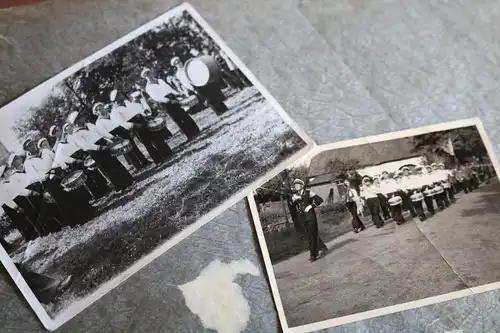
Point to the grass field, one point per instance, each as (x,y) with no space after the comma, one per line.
(231,152)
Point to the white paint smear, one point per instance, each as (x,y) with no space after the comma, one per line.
(216,299)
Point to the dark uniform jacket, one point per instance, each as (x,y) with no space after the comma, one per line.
(308,198)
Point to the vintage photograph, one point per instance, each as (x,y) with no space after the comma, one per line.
(127,152)
(370,224)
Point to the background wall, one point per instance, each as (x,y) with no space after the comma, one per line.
(316,58)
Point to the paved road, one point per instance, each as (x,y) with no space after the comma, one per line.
(455,249)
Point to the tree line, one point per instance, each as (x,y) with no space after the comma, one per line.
(120,69)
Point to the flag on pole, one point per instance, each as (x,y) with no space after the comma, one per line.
(447,146)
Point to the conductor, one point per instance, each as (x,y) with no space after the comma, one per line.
(306,201)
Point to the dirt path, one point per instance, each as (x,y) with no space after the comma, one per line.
(396,264)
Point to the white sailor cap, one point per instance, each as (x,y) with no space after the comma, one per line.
(366,179)
(52,129)
(440,164)
(112,95)
(405,169)
(72,117)
(399,173)
(433,165)
(385,172)
(27,142)
(94,108)
(144,72)
(298,181)
(174,60)
(39,143)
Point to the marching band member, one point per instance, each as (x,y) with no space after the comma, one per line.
(354,204)
(133,113)
(162,93)
(417,197)
(63,152)
(428,190)
(211,92)
(355,179)
(97,184)
(435,182)
(34,166)
(387,184)
(369,193)
(447,182)
(112,168)
(442,177)
(382,197)
(111,125)
(37,167)
(405,190)
(46,154)
(55,132)
(390,187)
(27,201)
(11,209)
(74,205)
(306,201)
(154,141)
(183,83)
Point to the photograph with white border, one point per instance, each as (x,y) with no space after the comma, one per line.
(377,225)
(118,158)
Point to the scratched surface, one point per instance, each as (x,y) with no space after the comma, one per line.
(342,69)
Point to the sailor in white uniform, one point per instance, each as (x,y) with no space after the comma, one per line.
(382,196)
(162,93)
(407,186)
(115,125)
(369,193)
(354,204)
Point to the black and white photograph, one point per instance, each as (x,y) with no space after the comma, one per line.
(378,225)
(121,156)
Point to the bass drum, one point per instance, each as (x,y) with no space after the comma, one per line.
(202,70)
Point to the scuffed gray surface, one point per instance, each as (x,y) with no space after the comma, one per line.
(342,69)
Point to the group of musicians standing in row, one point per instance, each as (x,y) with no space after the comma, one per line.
(46,188)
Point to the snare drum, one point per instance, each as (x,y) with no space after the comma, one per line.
(438,190)
(417,197)
(394,201)
(121,147)
(156,124)
(429,192)
(189,101)
(73,181)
